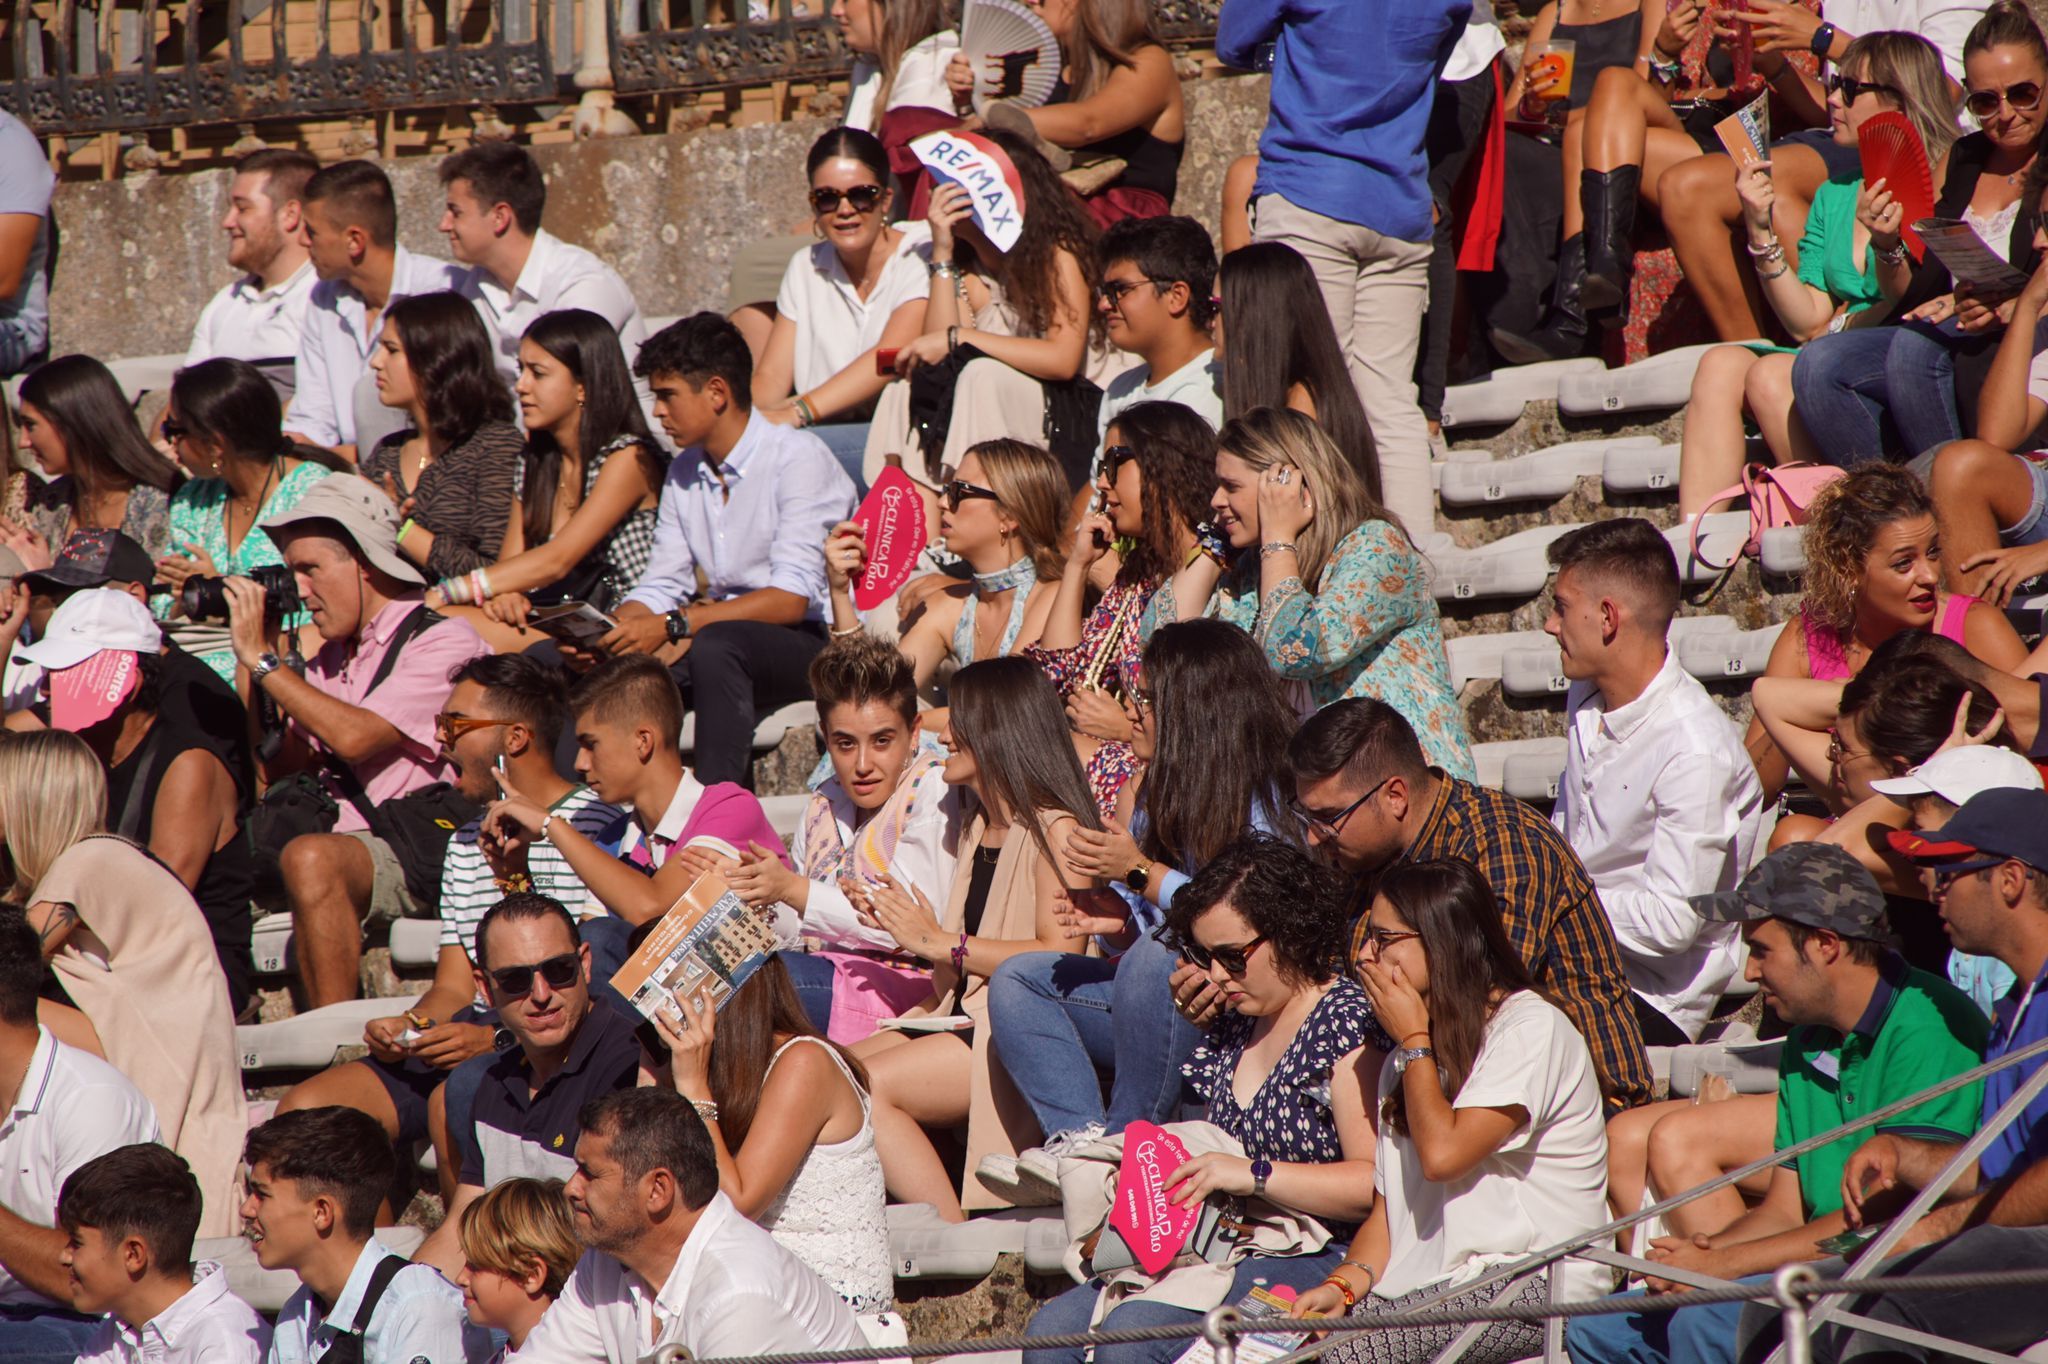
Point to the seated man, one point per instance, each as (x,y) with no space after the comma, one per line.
(747,507)
(26,182)
(65,1107)
(362,718)
(1158,287)
(1659,798)
(1868,1030)
(647,1204)
(570,1048)
(260,315)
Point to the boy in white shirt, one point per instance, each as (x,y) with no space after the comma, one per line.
(129,1217)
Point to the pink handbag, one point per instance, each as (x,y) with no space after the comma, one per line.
(1778,496)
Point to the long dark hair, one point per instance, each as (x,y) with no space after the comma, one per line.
(229,404)
(1222,725)
(1054,220)
(1448,902)
(762,1009)
(448,350)
(1904,701)
(1176,454)
(83,401)
(588,348)
(1007,715)
(1276,334)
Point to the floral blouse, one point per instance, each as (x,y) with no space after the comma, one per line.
(1370,629)
(1114,625)
(198,517)
(48,510)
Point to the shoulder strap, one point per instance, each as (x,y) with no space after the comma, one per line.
(380,1279)
(151,758)
(413,626)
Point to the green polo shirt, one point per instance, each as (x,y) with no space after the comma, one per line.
(1917,1031)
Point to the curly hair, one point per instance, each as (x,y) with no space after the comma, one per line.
(1054,221)
(1842,522)
(1290,899)
(1176,454)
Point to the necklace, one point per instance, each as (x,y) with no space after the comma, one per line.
(1023,573)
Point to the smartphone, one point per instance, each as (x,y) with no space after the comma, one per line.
(500,764)
(1845,1242)
(885,359)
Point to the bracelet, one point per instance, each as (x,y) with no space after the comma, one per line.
(1665,71)
(1350,1298)
(405,527)
(1782,269)
(455,591)
(945,270)
(806,414)
(1267,551)
(959,955)
(1770,250)
(479,586)
(706,1109)
(542,832)
(1895,255)
(853,629)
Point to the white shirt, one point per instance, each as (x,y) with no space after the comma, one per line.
(334,347)
(72,1108)
(209,1325)
(924,857)
(1197,385)
(734,1291)
(1547,1181)
(1944,23)
(420,1317)
(835,326)
(1477,46)
(1660,801)
(920,81)
(248,320)
(557,275)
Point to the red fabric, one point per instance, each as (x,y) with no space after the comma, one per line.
(1482,192)
(897,130)
(1116,203)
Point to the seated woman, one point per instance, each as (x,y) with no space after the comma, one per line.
(1924,374)
(885,811)
(131,951)
(1005,739)
(788,1114)
(1492,1147)
(1369,626)
(1853,265)
(1284,1072)
(1211,726)
(1279,350)
(1003,509)
(518,1249)
(225,424)
(1873,569)
(99,471)
(845,300)
(452,473)
(584,489)
(1158,468)
(1116,117)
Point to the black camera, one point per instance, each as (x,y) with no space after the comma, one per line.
(207,598)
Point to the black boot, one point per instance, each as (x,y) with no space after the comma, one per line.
(1563,333)
(1608,199)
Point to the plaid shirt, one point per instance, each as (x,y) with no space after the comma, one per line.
(1552,915)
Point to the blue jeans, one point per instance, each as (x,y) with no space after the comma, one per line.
(848,442)
(1070,1310)
(1691,1335)
(52,1335)
(1057,1021)
(1844,385)
(812,976)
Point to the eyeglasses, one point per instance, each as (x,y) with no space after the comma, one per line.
(2022,97)
(1113,290)
(1140,698)
(1113,457)
(1235,961)
(1383,938)
(448,728)
(1837,754)
(862,197)
(1329,826)
(960,490)
(559,972)
(1852,89)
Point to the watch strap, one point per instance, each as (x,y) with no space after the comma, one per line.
(1823,39)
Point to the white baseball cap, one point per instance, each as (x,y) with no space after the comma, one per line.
(1956,774)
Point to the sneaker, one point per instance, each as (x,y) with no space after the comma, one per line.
(1040,1165)
(1000,1176)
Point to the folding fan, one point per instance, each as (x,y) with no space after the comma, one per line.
(1893,152)
(1014,55)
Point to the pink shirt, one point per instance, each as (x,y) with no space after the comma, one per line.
(409,697)
(724,810)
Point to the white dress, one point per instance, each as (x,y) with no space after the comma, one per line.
(832,1213)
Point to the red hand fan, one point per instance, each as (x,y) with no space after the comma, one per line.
(1893,152)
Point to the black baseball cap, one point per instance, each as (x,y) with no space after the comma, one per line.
(94,558)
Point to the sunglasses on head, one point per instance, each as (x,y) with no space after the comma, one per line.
(1235,961)
(862,197)
(1984,103)
(960,490)
(1853,89)
(559,972)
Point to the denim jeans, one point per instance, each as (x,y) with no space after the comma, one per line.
(848,442)
(44,1336)
(1070,1311)
(1845,384)
(1690,1335)
(1058,1021)
(812,977)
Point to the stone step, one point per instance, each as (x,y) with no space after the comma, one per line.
(1659,383)
(1539,476)
(1500,397)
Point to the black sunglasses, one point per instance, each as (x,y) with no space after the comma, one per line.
(1113,457)
(559,972)
(862,197)
(2022,97)
(1113,290)
(1234,960)
(960,490)
(174,430)
(1853,89)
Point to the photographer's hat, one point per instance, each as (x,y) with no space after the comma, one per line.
(362,511)
(91,654)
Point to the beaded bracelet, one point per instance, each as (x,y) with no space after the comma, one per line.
(959,955)
(455,591)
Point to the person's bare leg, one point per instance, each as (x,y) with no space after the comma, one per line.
(1978,488)
(1618,117)
(1767,392)
(1574,148)
(349,1086)
(1697,200)
(1700,1142)
(755,321)
(1628,1156)
(447,1159)
(327,880)
(925,1081)
(1711,449)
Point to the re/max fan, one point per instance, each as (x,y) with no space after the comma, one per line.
(1014,55)
(1893,152)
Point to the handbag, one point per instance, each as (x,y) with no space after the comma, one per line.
(293,806)
(1214,1240)
(1778,498)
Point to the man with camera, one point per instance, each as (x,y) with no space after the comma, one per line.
(359,725)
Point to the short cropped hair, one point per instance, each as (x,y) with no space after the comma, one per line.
(517,1224)
(635,689)
(1165,250)
(501,173)
(860,668)
(285,171)
(145,1191)
(656,1129)
(21,967)
(1362,734)
(340,1152)
(519,907)
(522,690)
(1629,553)
(358,194)
(696,348)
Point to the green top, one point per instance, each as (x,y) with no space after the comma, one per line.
(1918,1030)
(199,517)
(1827,257)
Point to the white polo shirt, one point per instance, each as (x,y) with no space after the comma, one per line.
(557,276)
(209,1325)
(249,320)
(72,1108)
(834,325)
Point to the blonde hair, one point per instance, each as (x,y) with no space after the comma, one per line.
(519,1224)
(1107,32)
(1033,492)
(1909,64)
(1266,436)
(53,792)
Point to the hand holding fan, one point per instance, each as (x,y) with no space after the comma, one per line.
(1892,151)
(1012,52)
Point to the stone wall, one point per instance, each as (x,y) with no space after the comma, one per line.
(138,257)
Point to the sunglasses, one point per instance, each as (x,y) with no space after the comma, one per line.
(559,972)
(1329,826)
(1113,290)
(1235,961)
(1852,89)
(448,728)
(174,430)
(862,197)
(960,490)
(1113,457)
(2022,97)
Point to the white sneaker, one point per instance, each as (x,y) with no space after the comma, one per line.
(1041,1164)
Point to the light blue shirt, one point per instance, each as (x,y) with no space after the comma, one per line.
(759,520)
(420,1317)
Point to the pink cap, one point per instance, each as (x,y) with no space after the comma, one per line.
(87,693)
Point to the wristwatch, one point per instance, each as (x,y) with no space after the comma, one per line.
(1823,39)
(678,625)
(1404,1055)
(264,666)
(1262,1170)
(1139,877)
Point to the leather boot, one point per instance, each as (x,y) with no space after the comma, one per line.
(1608,199)
(1563,333)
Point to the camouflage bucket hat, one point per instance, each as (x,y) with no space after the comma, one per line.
(1815,884)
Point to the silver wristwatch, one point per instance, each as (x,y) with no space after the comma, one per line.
(1404,1055)
(264,666)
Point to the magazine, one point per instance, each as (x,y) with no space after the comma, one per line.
(708,939)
